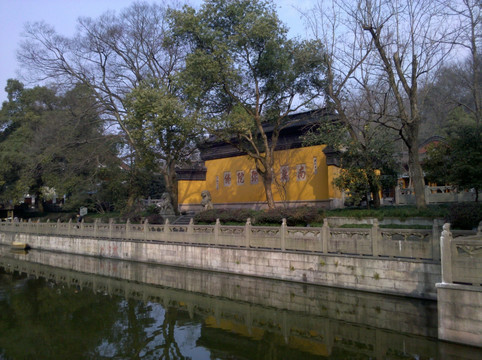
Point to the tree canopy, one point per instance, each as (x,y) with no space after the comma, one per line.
(111,55)
(163,129)
(51,142)
(458,160)
(244,75)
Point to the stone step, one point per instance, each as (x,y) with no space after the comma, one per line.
(183,220)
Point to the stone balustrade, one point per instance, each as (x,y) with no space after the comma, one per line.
(462,258)
(459,294)
(374,241)
(434,195)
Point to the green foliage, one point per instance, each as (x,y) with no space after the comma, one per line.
(225,216)
(465,215)
(437,164)
(241,53)
(368,162)
(159,124)
(300,216)
(162,129)
(155,219)
(399,212)
(244,73)
(52,143)
(457,162)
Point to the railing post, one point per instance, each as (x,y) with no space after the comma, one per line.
(247,233)
(375,235)
(283,235)
(325,236)
(436,240)
(69,231)
(58,227)
(190,227)
(446,254)
(216,231)
(166,227)
(95,228)
(128,230)
(428,194)
(111,222)
(146,229)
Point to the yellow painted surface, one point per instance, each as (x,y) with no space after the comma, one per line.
(227,325)
(313,345)
(316,184)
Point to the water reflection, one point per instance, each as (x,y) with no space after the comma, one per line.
(63,306)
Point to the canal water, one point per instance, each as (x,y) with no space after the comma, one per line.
(58,306)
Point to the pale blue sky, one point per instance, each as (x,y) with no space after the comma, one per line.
(62,14)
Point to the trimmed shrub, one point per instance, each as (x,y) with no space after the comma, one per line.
(465,216)
(299,216)
(237,216)
(155,219)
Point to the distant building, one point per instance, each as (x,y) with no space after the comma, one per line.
(304,174)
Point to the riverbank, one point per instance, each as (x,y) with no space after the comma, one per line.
(357,259)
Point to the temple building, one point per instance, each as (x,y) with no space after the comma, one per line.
(304,174)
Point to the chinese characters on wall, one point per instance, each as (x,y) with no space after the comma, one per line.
(284,174)
(227,178)
(301,172)
(254,177)
(301,175)
(240,177)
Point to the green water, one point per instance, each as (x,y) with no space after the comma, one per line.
(57,306)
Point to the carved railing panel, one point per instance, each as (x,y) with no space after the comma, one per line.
(268,237)
(350,241)
(231,236)
(303,239)
(467,260)
(406,243)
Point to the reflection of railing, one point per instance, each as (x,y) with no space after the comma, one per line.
(374,241)
(434,194)
(462,258)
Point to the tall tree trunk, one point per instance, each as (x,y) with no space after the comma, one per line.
(267,175)
(268,182)
(171,183)
(133,191)
(414,166)
(376,195)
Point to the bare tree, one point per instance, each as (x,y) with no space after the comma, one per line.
(355,88)
(406,42)
(346,50)
(411,40)
(111,55)
(467,16)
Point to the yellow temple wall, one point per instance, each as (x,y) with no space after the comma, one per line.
(230,180)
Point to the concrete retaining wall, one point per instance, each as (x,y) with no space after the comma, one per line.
(459,315)
(460,294)
(408,277)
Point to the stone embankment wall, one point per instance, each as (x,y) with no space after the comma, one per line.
(408,277)
(459,294)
